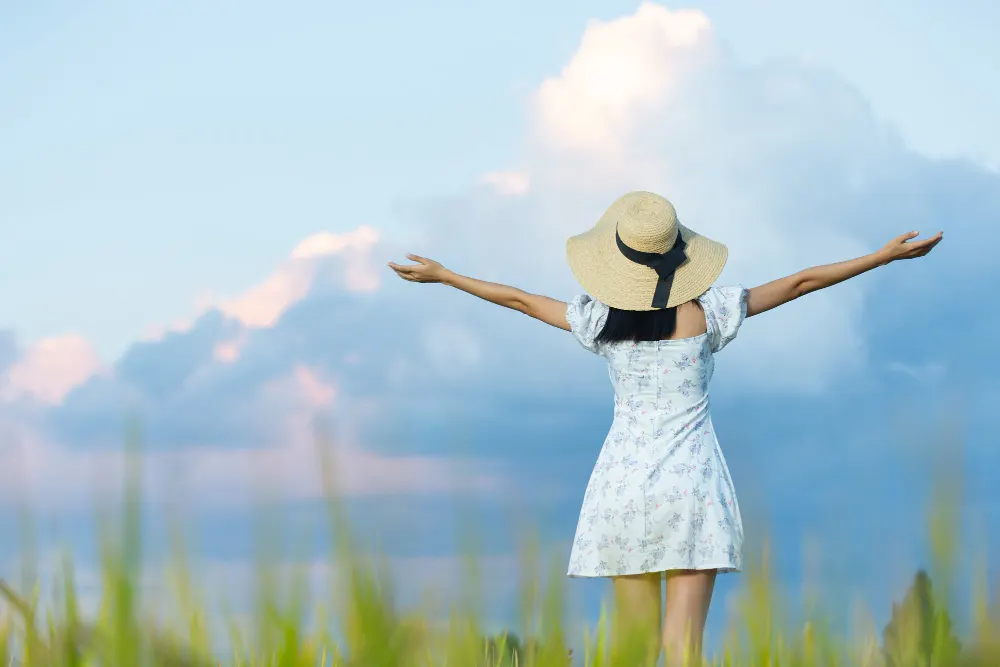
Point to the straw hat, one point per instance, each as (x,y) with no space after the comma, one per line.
(632,260)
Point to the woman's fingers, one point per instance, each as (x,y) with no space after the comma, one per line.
(414,273)
(405,275)
(406,269)
(921,245)
(904,247)
(931,246)
(930,242)
(921,248)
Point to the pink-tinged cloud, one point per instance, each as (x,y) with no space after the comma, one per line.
(263,305)
(314,391)
(230,351)
(327,243)
(49,369)
(48,473)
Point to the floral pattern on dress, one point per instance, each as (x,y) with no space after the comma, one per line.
(660,496)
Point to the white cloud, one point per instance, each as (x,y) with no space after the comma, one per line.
(784,163)
(622,68)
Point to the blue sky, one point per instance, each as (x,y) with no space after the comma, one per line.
(213,138)
(196,202)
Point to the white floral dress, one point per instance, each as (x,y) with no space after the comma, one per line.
(660,497)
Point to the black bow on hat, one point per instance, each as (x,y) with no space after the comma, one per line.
(664,264)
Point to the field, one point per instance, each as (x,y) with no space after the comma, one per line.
(292,626)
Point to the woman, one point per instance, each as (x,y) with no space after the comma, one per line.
(660,502)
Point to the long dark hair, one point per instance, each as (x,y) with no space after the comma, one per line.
(635,325)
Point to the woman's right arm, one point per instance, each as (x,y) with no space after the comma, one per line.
(781,291)
(548,310)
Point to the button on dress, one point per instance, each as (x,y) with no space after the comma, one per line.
(660,496)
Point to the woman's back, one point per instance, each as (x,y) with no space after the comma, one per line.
(664,374)
(660,496)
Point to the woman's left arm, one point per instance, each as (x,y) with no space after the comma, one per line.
(781,291)
(550,311)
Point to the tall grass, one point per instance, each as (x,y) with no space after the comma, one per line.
(359,623)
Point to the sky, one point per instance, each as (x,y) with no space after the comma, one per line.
(197,201)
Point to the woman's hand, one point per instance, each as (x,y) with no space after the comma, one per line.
(902,247)
(424,271)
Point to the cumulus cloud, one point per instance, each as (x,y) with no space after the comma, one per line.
(784,163)
(229,402)
(48,369)
(287,463)
(622,69)
(262,305)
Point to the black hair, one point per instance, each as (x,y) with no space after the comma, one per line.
(636,325)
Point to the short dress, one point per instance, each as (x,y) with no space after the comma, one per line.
(660,496)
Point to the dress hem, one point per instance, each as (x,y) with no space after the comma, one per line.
(728,568)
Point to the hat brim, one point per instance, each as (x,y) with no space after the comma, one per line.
(611,278)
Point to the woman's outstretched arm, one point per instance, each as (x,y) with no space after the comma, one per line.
(775,293)
(550,311)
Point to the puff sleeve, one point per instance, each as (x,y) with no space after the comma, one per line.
(586,317)
(725,309)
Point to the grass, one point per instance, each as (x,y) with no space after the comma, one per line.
(362,626)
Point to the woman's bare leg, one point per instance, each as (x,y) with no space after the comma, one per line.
(689,594)
(638,609)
